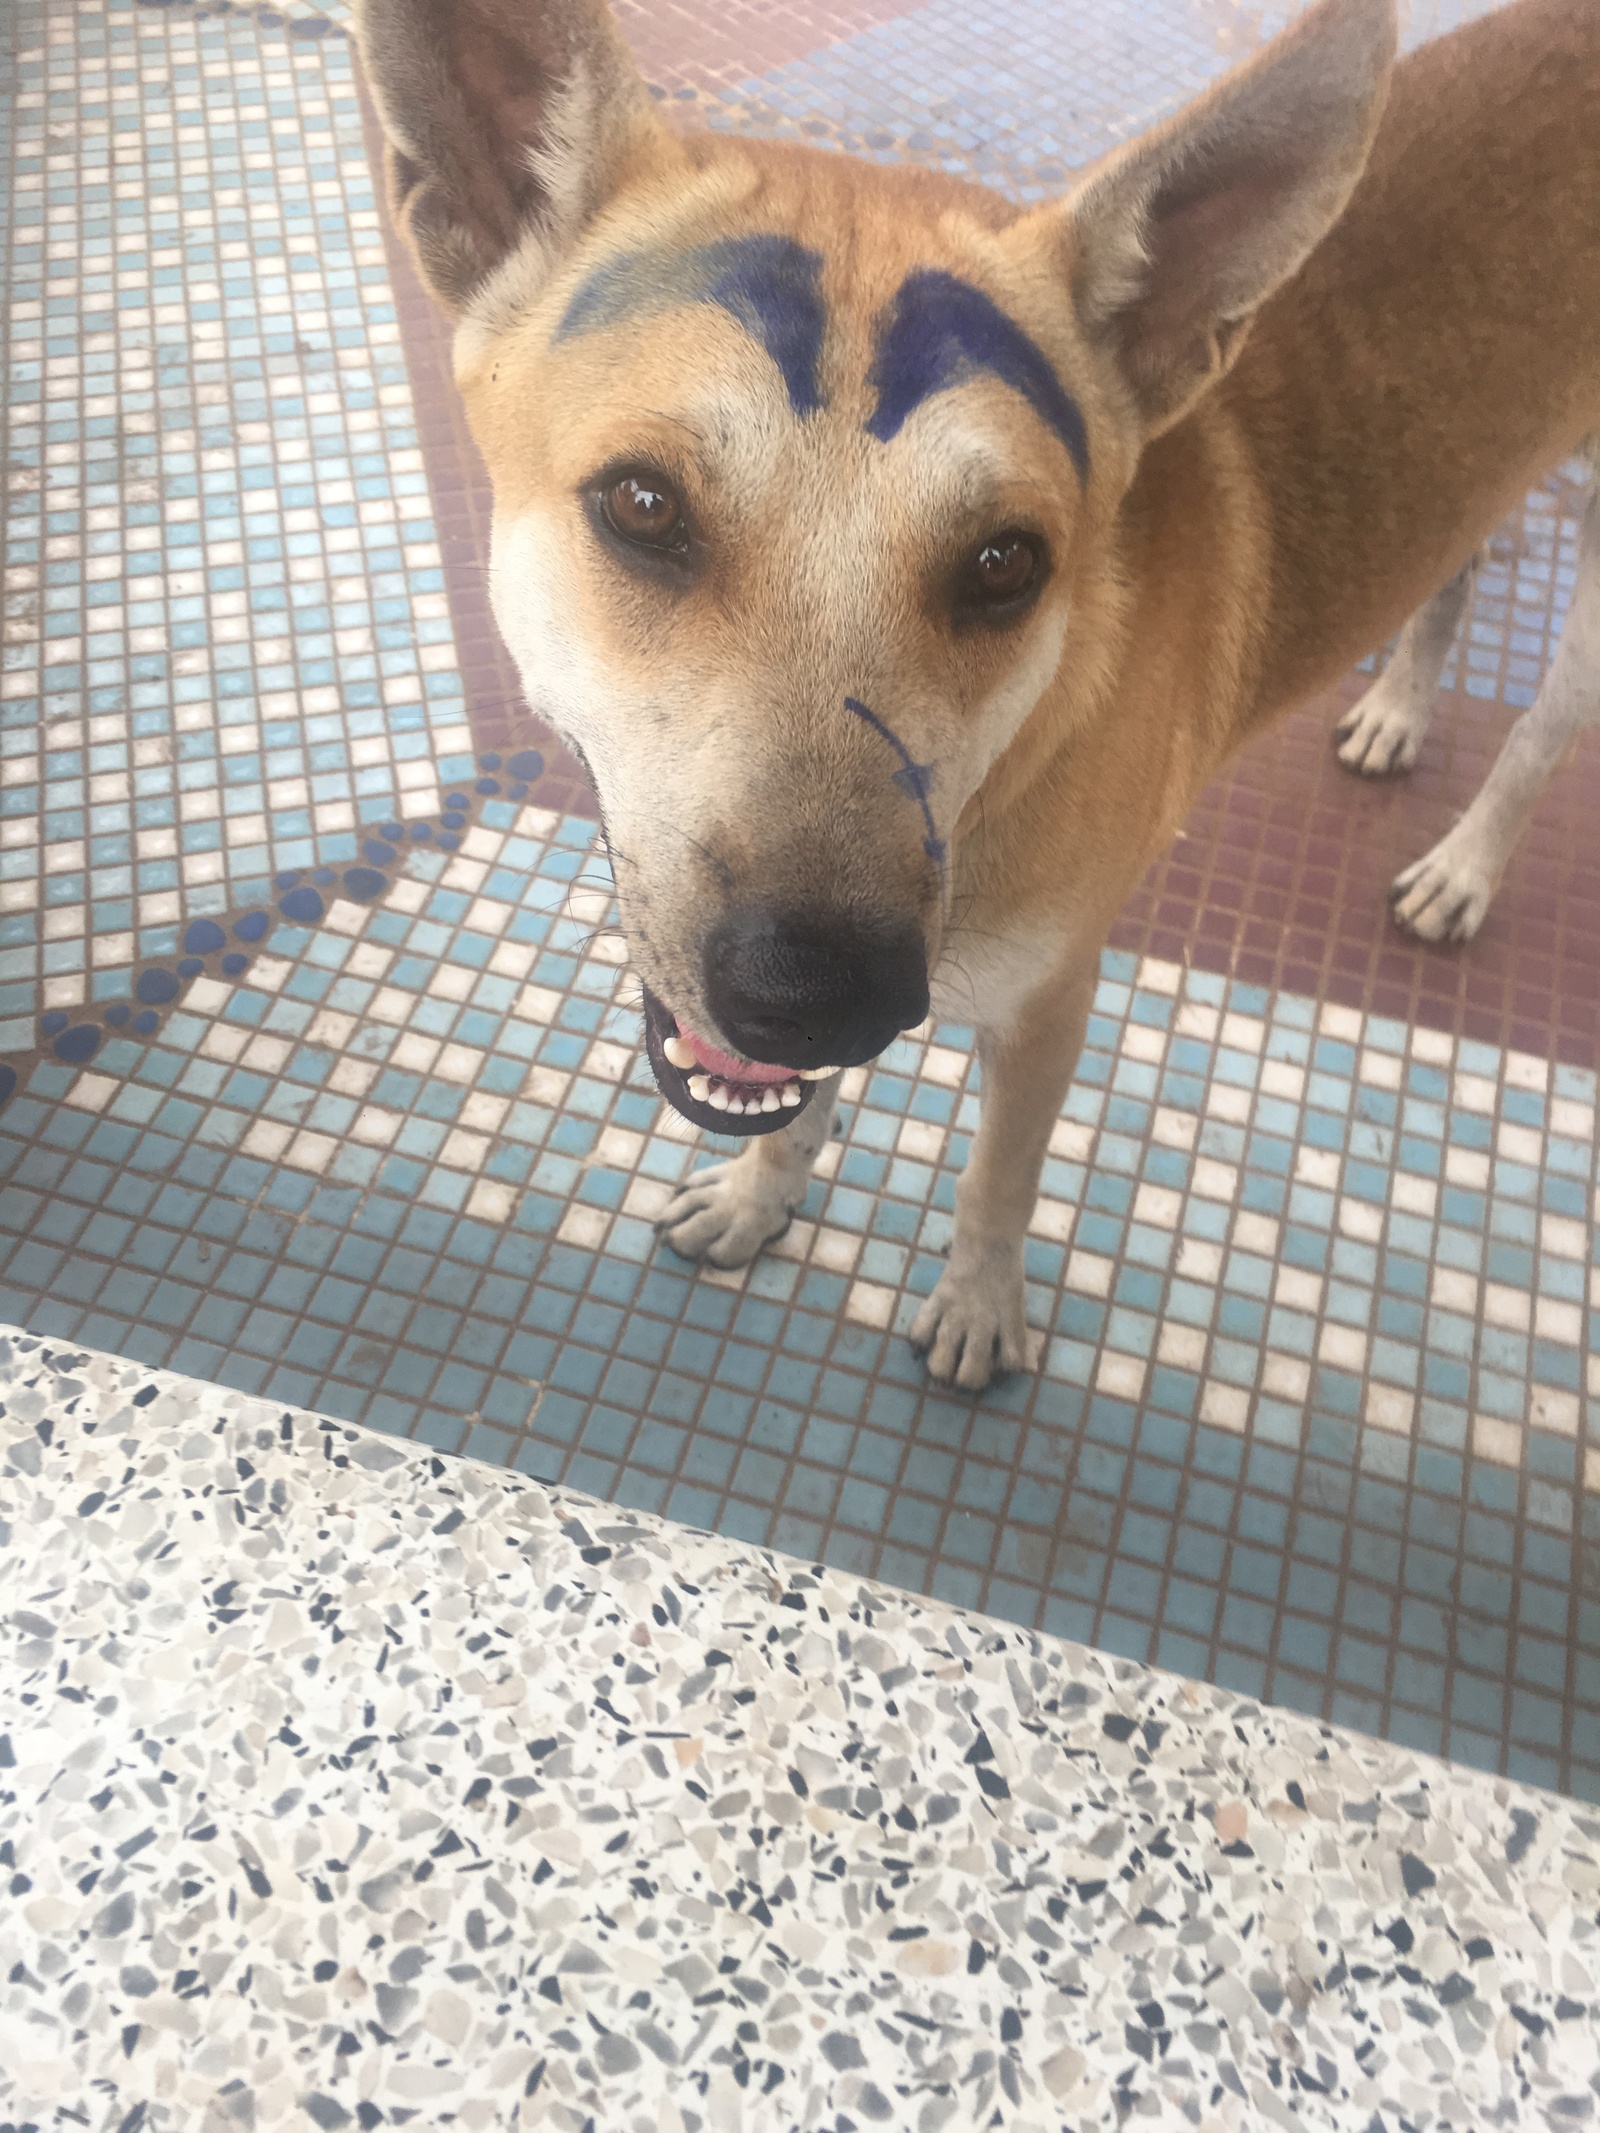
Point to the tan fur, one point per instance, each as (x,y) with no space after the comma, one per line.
(1288,454)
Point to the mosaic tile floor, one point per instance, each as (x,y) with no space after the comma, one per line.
(328,1083)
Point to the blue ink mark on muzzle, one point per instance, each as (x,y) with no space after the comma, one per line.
(914,779)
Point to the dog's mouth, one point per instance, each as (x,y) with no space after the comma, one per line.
(715,1090)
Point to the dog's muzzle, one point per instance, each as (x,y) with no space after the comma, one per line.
(761,1100)
(803,997)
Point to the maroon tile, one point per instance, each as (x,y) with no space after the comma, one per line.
(1532,977)
(717,44)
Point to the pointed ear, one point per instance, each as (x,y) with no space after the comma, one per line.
(504,119)
(1177,239)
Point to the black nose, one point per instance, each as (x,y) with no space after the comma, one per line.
(810,992)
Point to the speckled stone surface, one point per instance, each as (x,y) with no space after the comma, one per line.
(345,1785)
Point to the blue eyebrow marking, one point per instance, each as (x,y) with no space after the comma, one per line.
(915,779)
(943,331)
(770,284)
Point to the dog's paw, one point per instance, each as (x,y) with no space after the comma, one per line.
(973,1324)
(1445,894)
(1381,734)
(727,1212)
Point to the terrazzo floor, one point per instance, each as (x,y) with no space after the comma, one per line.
(345,1785)
(324,1072)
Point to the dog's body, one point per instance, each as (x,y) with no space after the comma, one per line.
(988,535)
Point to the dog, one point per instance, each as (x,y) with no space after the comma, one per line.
(902,562)
(1446,893)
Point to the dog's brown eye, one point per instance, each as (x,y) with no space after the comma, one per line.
(642,509)
(1002,573)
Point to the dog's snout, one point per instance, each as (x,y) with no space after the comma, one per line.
(811,992)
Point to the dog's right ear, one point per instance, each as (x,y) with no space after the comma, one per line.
(506,121)
(1180,237)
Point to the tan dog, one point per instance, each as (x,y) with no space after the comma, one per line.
(903,563)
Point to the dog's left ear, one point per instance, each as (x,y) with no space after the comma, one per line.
(1175,241)
(505,121)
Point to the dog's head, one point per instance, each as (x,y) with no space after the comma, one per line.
(805,471)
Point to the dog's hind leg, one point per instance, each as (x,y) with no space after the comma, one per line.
(1382,733)
(726,1212)
(1445,894)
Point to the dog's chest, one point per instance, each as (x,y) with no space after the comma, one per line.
(985,979)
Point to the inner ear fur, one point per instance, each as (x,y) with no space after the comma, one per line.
(505,121)
(1174,242)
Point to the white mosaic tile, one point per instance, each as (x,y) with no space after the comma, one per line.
(227,640)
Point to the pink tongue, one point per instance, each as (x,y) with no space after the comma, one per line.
(726,1067)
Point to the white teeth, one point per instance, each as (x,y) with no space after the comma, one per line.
(775,1096)
(678,1054)
(815,1073)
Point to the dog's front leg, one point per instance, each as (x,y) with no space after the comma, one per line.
(726,1212)
(974,1319)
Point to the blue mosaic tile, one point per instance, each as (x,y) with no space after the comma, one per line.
(365,1125)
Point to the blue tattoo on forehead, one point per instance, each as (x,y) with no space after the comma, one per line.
(943,331)
(770,284)
(914,779)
